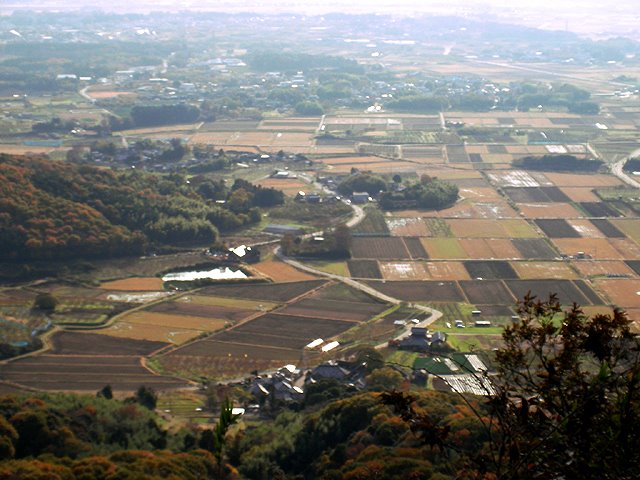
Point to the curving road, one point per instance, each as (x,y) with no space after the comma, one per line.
(617,169)
(358,215)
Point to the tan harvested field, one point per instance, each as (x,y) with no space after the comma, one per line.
(408,227)
(24,149)
(482,228)
(214,138)
(598,248)
(581,194)
(134,284)
(489,248)
(444,173)
(108,94)
(585,228)
(290,141)
(134,331)
(627,248)
(289,186)
(621,291)
(549,210)
(174,321)
(544,270)
(291,123)
(578,180)
(476,228)
(465,209)
(165,130)
(630,226)
(353,160)
(236,303)
(377,167)
(483,194)
(333,149)
(447,271)
(444,248)
(403,271)
(591,268)
(281,272)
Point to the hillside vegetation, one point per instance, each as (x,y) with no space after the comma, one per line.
(55,210)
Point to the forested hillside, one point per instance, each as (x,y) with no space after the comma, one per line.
(54,210)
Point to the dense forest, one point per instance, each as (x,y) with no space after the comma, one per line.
(429,193)
(55,210)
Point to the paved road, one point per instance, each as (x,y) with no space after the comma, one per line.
(358,215)
(617,167)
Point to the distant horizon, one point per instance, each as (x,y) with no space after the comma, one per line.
(592,18)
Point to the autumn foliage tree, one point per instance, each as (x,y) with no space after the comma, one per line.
(568,402)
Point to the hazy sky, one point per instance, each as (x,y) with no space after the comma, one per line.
(586,16)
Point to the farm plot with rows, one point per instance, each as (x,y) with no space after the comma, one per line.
(492,269)
(557,228)
(381,248)
(274,292)
(536,194)
(487,292)
(335,309)
(364,269)
(568,291)
(88,362)
(426,291)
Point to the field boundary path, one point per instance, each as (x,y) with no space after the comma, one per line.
(617,169)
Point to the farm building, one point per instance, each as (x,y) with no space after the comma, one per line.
(360,197)
(244,253)
(417,341)
(329,370)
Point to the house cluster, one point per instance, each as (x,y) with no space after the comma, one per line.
(420,340)
(288,383)
(316,197)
